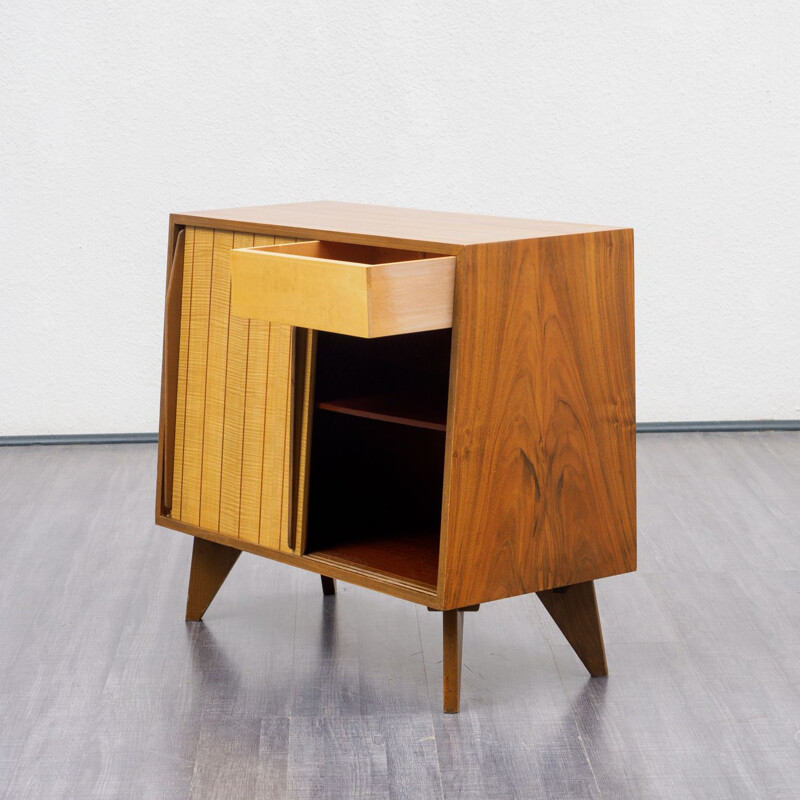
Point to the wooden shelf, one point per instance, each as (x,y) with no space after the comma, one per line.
(414,409)
(410,555)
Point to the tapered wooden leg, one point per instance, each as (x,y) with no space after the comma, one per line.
(328,585)
(211,563)
(574,609)
(452,628)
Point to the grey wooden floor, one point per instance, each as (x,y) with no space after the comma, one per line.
(105,692)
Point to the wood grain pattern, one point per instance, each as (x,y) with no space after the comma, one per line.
(216,358)
(196,332)
(255,400)
(234,404)
(211,564)
(277,458)
(540,469)
(452,642)
(412,296)
(358,291)
(336,568)
(410,555)
(183,366)
(235,375)
(437,231)
(305,347)
(415,409)
(169,377)
(574,610)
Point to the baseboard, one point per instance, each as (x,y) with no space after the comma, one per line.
(711,426)
(641,427)
(80,438)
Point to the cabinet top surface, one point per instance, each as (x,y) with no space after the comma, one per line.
(357,222)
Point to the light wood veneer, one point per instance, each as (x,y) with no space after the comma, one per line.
(343,288)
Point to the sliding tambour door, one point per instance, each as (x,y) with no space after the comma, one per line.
(233,457)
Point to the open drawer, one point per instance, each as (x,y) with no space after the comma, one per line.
(353,289)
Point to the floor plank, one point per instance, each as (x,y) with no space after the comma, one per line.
(106,692)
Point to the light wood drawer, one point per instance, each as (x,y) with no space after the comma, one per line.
(343,288)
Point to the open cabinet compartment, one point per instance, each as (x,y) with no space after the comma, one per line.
(377,453)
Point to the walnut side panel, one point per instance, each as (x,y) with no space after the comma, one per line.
(540,486)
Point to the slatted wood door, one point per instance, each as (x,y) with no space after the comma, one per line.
(240,425)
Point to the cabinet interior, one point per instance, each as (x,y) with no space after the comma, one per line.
(377,452)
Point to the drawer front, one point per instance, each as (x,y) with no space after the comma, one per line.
(236,405)
(352,289)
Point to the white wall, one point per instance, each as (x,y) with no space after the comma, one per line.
(680,119)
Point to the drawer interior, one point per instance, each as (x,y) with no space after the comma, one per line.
(344,252)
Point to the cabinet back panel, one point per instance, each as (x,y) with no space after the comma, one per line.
(349,366)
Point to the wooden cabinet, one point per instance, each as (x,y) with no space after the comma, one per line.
(436,406)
